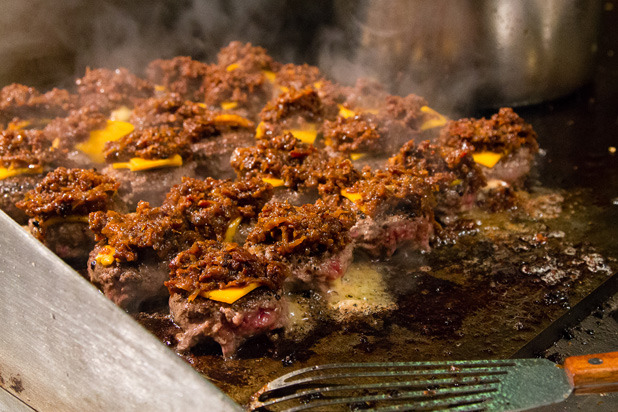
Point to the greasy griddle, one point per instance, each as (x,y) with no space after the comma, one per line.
(480,294)
(489,290)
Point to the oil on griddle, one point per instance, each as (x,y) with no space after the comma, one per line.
(501,261)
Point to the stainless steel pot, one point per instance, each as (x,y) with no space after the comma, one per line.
(486,53)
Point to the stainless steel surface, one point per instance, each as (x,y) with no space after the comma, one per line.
(9,402)
(65,347)
(480,52)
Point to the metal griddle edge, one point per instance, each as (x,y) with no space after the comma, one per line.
(65,347)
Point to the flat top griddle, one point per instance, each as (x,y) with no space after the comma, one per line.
(495,290)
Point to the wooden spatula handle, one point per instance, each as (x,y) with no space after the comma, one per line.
(593,373)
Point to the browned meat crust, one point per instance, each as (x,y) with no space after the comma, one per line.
(68,192)
(146,228)
(210,205)
(305,103)
(405,110)
(170,109)
(283,157)
(23,102)
(239,77)
(209,265)
(106,90)
(181,75)
(25,148)
(505,131)
(246,56)
(151,143)
(452,173)
(360,133)
(388,192)
(308,230)
(229,325)
(12,190)
(75,127)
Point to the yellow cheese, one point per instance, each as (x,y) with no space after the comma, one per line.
(136,164)
(434,118)
(19,125)
(356,156)
(105,256)
(121,114)
(68,219)
(270,76)
(354,197)
(305,135)
(159,88)
(273,181)
(229,295)
(229,105)
(94,146)
(10,172)
(318,85)
(345,112)
(259,130)
(231,229)
(487,159)
(233,120)
(232,67)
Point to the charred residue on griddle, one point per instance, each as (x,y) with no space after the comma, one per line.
(16,384)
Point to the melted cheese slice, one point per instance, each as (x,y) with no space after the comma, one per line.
(94,146)
(106,256)
(270,76)
(306,135)
(68,219)
(357,156)
(5,173)
(136,164)
(229,105)
(231,229)
(260,130)
(434,119)
(232,67)
(273,181)
(487,159)
(354,197)
(345,112)
(233,120)
(227,295)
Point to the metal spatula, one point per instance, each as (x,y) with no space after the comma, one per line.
(496,385)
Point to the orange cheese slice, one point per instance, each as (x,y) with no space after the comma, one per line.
(232,67)
(354,197)
(345,112)
(357,156)
(487,159)
(113,131)
(136,164)
(307,134)
(67,219)
(270,76)
(231,229)
(233,120)
(273,181)
(433,120)
(229,105)
(227,295)
(10,172)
